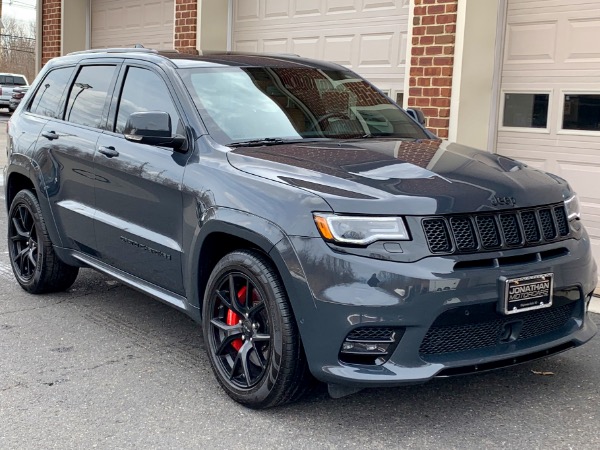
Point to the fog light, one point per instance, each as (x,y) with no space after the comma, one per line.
(370,345)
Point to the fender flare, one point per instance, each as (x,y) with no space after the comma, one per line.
(24,166)
(266,237)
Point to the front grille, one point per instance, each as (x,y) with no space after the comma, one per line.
(481,232)
(472,336)
(437,235)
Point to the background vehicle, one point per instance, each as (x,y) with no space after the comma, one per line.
(17,96)
(8,81)
(310,225)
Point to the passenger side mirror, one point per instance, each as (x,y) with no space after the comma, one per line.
(417,115)
(153,128)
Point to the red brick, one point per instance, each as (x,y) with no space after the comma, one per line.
(435,29)
(436,9)
(445,18)
(445,39)
(441,102)
(434,50)
(426,40)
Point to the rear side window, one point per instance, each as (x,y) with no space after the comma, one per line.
(144,90)
(88,95)
(47,98)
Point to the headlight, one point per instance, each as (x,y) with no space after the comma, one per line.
(360,230)
(572,206)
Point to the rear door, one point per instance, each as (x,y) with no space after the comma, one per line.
(138,186)
(66,149)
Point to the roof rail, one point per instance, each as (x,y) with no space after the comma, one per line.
(114,50)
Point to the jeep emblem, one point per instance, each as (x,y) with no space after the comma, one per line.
(503,201)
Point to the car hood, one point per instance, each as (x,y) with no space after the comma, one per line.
(410,177)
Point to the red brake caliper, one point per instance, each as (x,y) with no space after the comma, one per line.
(233,318)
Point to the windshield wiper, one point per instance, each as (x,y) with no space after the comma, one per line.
(260,142)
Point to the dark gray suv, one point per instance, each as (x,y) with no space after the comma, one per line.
(311,225)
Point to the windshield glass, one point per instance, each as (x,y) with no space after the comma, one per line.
(242,104)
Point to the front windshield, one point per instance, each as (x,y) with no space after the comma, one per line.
(244,104)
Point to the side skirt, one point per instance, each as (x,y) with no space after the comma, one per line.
(163,295)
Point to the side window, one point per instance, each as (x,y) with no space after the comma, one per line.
(47,98)
(88,95)
(144,90)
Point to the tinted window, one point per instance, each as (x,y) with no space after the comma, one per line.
(526,110)
(88,95)
(144,90)
(47,98)
(582,112)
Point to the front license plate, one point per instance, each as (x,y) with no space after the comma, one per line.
(527,293)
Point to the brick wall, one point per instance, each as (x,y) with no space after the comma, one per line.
(186,17)
(50,29)
(432,60)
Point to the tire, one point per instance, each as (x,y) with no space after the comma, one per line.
(35,265)
(250,333)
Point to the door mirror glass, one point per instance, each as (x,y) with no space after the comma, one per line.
(152,128)
(417,114)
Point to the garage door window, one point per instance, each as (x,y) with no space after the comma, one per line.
(581,112)
(524,110)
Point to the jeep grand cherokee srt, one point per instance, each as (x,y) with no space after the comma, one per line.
(310,225)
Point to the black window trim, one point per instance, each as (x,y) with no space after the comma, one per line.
(117,62)
(61,103)
(118,92)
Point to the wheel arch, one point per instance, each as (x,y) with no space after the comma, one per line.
(22,174)
(222,235)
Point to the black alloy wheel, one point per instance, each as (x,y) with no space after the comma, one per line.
(250,333)
(23,239)
(240,330)
(35,264)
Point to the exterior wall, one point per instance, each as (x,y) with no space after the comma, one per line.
(214,19)
(476,61)
(74,26)
(432,61)
(186,26)
(51,29)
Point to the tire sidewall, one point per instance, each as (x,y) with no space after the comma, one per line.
(28,199)
(247,265)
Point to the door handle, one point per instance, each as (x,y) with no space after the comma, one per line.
(50,135)
(109,152)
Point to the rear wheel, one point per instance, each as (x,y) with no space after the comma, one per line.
(32,257)
(250,333)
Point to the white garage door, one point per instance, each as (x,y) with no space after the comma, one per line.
(368,36)
(550,108)
(125,23)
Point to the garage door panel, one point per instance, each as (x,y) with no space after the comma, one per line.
(129,22)
(531,42)
(581,43)
(552,46)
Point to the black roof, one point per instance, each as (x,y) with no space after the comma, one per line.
(210,58)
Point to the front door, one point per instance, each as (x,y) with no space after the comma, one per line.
(138,189)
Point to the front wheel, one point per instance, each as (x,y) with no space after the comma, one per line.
(250,333)
(34,262)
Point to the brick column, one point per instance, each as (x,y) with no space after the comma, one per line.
(51,29)
(186,26)
(432,61)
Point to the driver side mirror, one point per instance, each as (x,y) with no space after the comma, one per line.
(417,115)
(153,128)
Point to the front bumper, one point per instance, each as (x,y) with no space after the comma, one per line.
(352,292)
